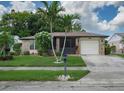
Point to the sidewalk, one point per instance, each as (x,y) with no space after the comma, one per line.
(42,68)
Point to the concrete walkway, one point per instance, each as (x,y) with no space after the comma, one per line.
(42,68)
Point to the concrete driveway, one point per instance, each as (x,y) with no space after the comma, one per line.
(109,69)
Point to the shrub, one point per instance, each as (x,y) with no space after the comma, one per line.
(113,49)
(17,48)
(26,53)
(4,58)
(40,52)
(107,50)
(43,42)
(12,53)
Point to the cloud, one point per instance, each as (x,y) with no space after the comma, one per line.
(3,10)
(119,19)
(18,6)
(89,19)
(23,6)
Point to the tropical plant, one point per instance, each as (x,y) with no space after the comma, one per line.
(6,42)
(51,12)
(68,24)
(43,41)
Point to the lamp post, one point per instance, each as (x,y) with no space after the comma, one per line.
(65,64)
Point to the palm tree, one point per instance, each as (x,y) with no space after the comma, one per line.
(51,12)
(68,27)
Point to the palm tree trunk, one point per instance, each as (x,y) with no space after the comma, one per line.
(52,42)
(63,46)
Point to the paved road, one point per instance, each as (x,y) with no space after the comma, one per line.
(58,86)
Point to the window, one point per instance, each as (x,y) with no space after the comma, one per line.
(70,42)
(32,46)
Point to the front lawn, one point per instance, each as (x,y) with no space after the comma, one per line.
(37,75)
(32,61)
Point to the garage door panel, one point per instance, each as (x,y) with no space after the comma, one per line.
(89,47)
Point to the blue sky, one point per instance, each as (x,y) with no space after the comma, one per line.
(101,17)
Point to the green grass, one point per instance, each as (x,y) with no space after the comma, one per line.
(120,55)
(39,75)
(32,61)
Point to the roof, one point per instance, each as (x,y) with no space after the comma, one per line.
(69,34)
(77,34)
(28,38)
(120,34)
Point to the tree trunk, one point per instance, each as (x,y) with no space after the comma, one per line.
(63,46)
(52,42)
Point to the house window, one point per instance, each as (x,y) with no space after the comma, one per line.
(32,46)
(70,42)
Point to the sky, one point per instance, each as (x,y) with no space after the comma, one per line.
(106,17)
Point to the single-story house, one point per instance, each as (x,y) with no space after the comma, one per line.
(76,43)
(115,40)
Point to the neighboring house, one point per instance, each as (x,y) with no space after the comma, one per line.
(76,43)
(115,40)
(28,44)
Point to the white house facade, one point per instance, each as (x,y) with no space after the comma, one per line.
(115,40)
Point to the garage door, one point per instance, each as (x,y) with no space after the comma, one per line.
(89,47)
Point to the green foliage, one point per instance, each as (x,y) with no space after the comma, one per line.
(16,23)
(42,41)
(107,48)
(26,53)
(113,49)
(17,48)
(6,42)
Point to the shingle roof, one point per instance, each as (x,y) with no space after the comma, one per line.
(120,34)
(69,34)
(77,34)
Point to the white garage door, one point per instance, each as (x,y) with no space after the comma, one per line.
(89,47)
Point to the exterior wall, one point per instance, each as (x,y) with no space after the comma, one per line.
(26,46)
(115,40)
(101,43)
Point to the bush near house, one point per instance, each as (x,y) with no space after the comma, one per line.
(113,49)
(17,48)
(107,48)
(43,43)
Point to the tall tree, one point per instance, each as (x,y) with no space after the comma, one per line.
(16,23)
(67,24)
(51,12)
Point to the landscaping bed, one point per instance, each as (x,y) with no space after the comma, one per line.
(39,75)
(40,61)
(120,55)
